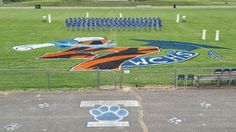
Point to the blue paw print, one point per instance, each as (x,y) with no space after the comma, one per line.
(108,113)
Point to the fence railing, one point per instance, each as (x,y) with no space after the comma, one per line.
(41,79)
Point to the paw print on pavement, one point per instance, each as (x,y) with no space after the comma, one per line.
(176,120)
(12,126)
(108,113)
(205,105)
(43,105)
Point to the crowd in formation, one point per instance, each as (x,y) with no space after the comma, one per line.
(114,23)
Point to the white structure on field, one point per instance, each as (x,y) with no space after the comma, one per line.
(87,15)
(49,18)
(177,18)
(120,15)
(217,38)
(204,34)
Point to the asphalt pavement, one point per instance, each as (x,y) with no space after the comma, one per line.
(212,110)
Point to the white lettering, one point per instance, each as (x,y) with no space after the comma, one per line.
(174,58)
(159,60)
(184,54)
(141,62)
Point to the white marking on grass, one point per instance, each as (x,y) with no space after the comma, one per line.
(126,71)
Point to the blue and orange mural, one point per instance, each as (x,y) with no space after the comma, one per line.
(183,46)
(89,48)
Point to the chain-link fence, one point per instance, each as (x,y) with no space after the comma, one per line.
(25,79)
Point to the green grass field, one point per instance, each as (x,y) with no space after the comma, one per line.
(19,27)
(95,3)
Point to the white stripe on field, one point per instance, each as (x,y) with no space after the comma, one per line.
(108,124)
(126,103)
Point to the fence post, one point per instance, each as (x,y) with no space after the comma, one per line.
(121,78)
(98,78)
(115,78)
(175,78)
(48,74)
